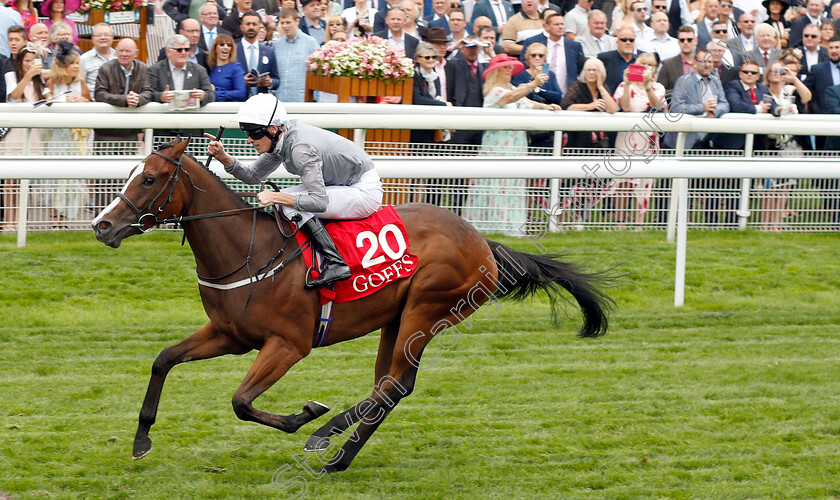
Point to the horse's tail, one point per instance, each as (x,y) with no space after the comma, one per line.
(522,275)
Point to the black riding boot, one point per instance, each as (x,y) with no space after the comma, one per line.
(336,269)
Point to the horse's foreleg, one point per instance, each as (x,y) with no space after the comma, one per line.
(274,360)
(203,344)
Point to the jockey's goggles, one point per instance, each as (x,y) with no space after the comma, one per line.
(255,132)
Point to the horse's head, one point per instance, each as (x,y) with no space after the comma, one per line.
(154,191)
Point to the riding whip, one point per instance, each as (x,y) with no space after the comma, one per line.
(218,138)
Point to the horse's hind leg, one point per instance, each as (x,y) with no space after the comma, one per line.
(206,343)
(320,439)
(274,360)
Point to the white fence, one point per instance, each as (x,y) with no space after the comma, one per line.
(422,178)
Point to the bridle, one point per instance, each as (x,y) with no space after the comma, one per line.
(146,211)
(172,183)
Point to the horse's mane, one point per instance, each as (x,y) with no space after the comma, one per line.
(240,200)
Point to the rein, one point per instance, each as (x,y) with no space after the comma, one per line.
(206,280)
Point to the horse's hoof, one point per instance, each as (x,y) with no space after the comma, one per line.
(317,443)
(328,468)
(316,409)
(142,447)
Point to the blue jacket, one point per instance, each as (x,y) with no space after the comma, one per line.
(819,80)
(549,93)
(688,97)
(483,8)
(574,55)
(615,66)
(832,106)
(740,102)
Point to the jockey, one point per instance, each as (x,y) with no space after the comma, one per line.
(339,181)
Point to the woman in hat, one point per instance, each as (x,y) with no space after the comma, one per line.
(501,205)
(57,10)
(776,10)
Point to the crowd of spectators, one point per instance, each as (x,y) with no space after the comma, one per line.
(710,56)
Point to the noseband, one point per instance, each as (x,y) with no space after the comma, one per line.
(146,211)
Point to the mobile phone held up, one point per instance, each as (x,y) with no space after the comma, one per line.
(545,68)
(636,73)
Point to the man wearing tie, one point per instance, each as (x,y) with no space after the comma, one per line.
(745,41)
(766,51)
(498,11)
(564,57)
(209,25)
(253,56)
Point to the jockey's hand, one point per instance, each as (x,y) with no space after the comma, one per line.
(217,151)
(270,197)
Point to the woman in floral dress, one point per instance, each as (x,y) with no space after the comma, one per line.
(501,205)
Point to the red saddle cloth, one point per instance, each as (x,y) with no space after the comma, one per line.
(376,249)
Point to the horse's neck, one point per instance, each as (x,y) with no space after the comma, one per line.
(220,242)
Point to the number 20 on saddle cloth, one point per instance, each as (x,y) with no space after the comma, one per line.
(375,248)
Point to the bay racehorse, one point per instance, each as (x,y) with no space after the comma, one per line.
(457,272)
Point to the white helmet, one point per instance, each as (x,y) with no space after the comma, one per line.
(262,109)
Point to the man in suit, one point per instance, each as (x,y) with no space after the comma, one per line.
(743,41)
(440,10)
(616,61)
(252,55)
(312,23)
(745,95)
(812,52)
(703,29)
(395,19)
(596,40)
(191,29)
(498,11)
(209,25)
(824,75)
(681,64)
(565,57)
(697,93)
(815,14)
(831,203)
(177,73)
(765,51)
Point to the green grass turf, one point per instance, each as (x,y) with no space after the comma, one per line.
(735,395)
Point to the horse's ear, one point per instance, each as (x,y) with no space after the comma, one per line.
(178,149)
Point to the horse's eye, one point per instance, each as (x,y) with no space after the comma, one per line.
(148,181)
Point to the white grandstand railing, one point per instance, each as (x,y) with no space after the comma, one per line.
(362,117)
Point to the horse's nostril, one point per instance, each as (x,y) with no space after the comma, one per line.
(103,225)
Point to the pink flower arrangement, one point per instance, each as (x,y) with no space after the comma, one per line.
(111,5)
(369,58)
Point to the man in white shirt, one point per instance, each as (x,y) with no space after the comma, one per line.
(643,31)
(811,53)
(102,52)
(596,40)
(661,43)
(766,51)
(577,19)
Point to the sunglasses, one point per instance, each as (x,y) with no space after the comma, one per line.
(180,49)
(685,40)
(256,133)
(746,72)
(427,57)
(719,32)
(225,44)
(640,9)
(659,7)
(625,40)
(810,36)
(537,55)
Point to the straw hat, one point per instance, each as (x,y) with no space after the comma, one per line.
(504,60)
